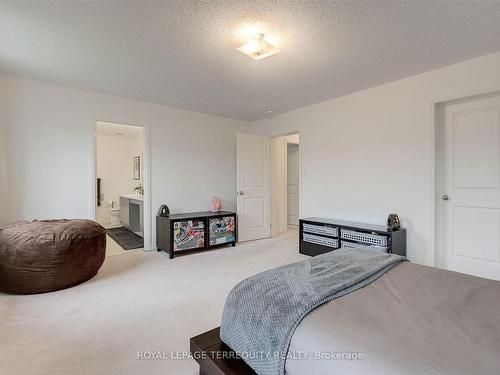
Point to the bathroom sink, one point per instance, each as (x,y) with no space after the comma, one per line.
(136,197)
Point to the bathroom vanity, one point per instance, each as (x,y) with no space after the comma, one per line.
(132,213)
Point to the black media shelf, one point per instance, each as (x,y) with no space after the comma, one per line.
(321,235)
(195,231)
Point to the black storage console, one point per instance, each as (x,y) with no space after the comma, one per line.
(318,236)
(181,233)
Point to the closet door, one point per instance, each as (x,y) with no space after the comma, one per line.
(253,186)
(469,201)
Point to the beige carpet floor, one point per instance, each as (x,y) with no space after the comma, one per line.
(138,302)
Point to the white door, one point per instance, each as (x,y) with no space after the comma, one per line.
(469,202)
(292,184)
(253,186)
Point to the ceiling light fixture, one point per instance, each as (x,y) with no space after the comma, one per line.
(258,48)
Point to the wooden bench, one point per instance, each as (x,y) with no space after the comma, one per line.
(215,357)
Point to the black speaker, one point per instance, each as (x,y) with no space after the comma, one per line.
(163,210)
(393,222)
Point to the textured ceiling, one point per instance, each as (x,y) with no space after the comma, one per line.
(181,53)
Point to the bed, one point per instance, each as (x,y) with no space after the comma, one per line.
(410,319)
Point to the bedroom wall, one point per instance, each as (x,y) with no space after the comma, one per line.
(292,175)
(278,185)
(3,161)
(49,147)
(368,154)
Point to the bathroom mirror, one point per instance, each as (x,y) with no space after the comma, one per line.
(137,167)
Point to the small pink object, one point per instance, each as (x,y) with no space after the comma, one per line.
(216,204)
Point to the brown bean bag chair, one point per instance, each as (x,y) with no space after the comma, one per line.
(47,255)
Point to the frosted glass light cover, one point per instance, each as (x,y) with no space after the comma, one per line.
(258,48)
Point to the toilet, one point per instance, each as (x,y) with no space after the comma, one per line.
(114,216)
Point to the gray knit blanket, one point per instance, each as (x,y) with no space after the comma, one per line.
(262,312)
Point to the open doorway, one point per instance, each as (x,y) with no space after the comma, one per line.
(285,183)
(119,205)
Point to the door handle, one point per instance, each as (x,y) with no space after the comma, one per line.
(445,197)
(240,193)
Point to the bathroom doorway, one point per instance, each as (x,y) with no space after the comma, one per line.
(120,185)
(285,183)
